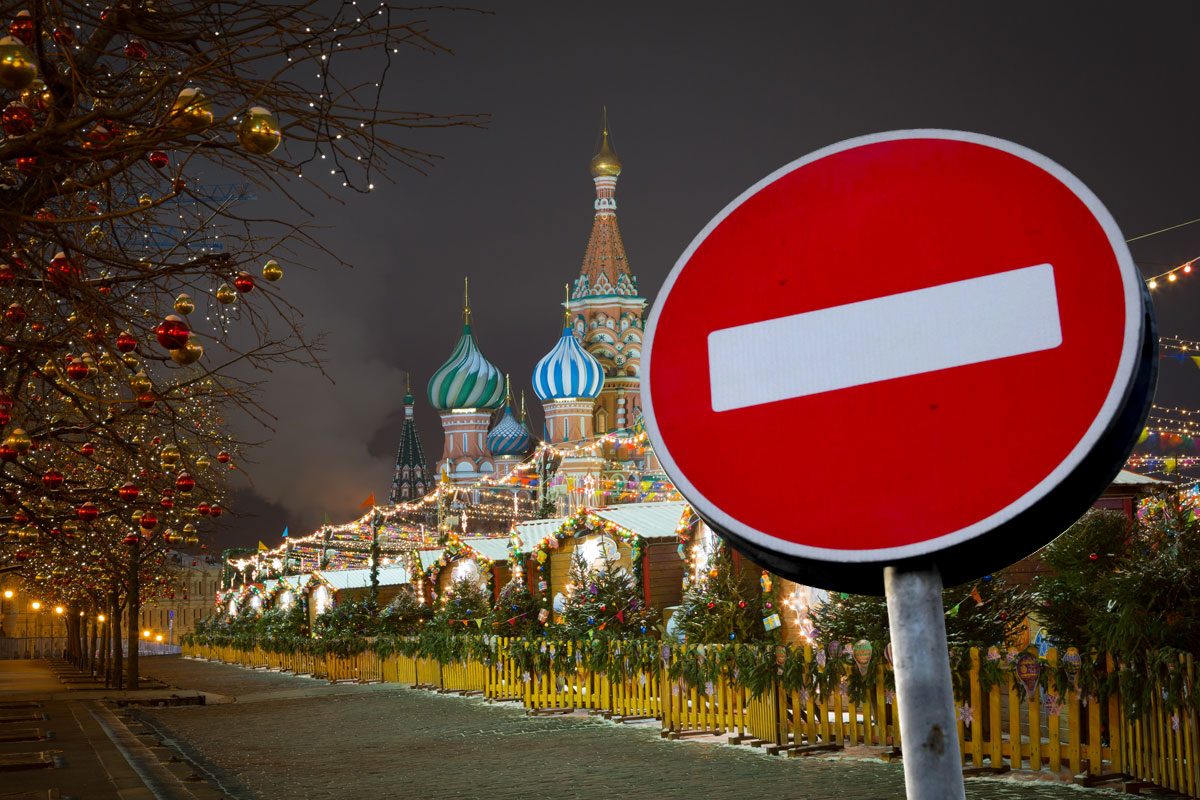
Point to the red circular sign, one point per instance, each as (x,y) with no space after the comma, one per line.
(895,345)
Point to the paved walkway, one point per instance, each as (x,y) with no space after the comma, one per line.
(293,737)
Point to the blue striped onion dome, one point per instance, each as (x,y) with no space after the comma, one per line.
(567,371)
(467,379)
(509,437)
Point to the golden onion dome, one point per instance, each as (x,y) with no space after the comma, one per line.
(605,163)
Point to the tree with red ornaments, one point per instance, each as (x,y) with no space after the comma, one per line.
(140,295)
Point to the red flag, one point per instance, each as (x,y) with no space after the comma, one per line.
(512,621)
(369,502)
(975,595)
(621,616)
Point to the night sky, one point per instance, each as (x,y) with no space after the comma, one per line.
(703,101)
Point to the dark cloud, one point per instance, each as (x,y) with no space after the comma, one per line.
(704,100)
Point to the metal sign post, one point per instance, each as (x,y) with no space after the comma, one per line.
(932,762)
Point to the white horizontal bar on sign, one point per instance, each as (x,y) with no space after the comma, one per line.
(965,322)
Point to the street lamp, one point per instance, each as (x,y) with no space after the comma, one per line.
(8,593)
(101,618)
(145,634)
(158,638)
(58,610)
(35,605)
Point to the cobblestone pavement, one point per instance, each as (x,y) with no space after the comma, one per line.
(385,740)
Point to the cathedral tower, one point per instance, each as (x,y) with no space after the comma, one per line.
(606,309)
(412,478)
(466,390)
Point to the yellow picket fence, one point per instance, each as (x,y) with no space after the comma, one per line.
(1053,728)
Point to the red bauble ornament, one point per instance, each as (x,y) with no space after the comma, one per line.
(178,185)
(78,370)
(157,159)
(203,509)
(148,521)
(1093,557)
(15,314)
(172,333)
(88,449)
(52,479)
(185,483)
(131,539)
(22,28)
(17,119)
(243,282)
(5,401)
(129,492)
(20,517)
(166,502)
(126,343)
(135,49)
(26,164)
(21,555)
(223,457)
(5,416)
(87,512)
(146,400)
(215,511)
(61,267)
(711,604)
(64,36)
(6,274)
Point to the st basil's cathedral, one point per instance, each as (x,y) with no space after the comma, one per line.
(588,383)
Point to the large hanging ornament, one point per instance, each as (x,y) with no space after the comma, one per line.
(140,382)
(223,457)
(259,131)
(189,353)
(19,441)
(158,159)
(215,511)
(87,512)
(36,95)
(52,479)
(129,492)
(272,271)
(135,50)
(107,362)
(243,282)
(126,342)
(226,294)
(22,27)
(184,483)
(17,69)
(184,305)
(169,455)
(148,521)
(17,119)
(15,314)
(172,332)
(192,111)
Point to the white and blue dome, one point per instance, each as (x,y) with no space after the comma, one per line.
(568,371)
(509,437)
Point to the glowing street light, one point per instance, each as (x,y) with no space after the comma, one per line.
(8,593)
(145,634)
(158,638)
(101,618)
(58,609)
(35,605)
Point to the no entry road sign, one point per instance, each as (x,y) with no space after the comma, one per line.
(909,347)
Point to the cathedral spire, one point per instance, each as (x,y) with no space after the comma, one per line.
(605,270)
(412,473)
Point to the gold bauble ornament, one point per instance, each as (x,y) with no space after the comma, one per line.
(36,95)
(272,271)
(137,515)
(140,383)
(188,354)
(19,440)
(203,462)
(95,235)
(191,541)
(17,69)
(189,529)
(130,361)
(184,305)
(192,111)
(107,362)
(226,294)
(145,200)
(169,455)
(259,132)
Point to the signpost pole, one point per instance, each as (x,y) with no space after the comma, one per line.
(932,762)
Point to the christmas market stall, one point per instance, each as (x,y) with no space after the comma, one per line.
(639,538)
(483,560)
(326,588)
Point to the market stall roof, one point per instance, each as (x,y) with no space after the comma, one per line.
(533,531)
(1127,478)
(427,557)
(648,520)
(339,579)
(491,547)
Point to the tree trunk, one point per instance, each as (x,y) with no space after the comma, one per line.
(133,599)
(91,656)
(114,629)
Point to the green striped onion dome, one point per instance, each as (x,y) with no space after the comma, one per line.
(467,379)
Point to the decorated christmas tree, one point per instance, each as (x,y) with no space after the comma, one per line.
(463,603)
(405,615)
(605,601)
(516,612)
(721,605)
